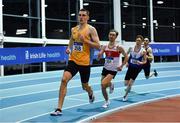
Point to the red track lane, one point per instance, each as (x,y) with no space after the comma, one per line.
(166,110)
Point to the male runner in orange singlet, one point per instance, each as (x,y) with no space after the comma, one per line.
(83,38)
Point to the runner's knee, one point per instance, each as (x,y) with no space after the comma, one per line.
(86,87)
(64,81)
(103,85)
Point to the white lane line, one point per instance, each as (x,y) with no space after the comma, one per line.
(164,75)
(100,114)
(171,72)
(47,84)
(124,107)
(29,79)
(61,72)
(43,76)
(82,100)
(160,94)
(99,91)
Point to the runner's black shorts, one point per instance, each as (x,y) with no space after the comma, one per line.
(132,72)
(84,71)
(105,72)
(146,69)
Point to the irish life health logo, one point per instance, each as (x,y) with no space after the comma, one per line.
(177,49)
(26,54)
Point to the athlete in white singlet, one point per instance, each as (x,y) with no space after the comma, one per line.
(112,64)
(135,62)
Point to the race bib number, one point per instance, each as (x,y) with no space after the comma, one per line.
(133,61)
(109,60)
(78,46)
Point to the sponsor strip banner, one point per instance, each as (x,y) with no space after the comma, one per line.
(10,56)
(27,55)
(165,49)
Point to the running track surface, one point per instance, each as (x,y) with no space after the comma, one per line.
(165,110)
(31,97)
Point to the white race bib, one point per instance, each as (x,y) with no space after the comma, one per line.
(133,61)
(109,60)
(78,46)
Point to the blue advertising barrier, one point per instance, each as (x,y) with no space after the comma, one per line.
(9,56)
(94,55)
(165,49)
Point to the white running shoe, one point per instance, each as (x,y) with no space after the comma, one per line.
(155,73)
(111,88)
(57,112)
(124,99)
(91,98)
(106,104)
